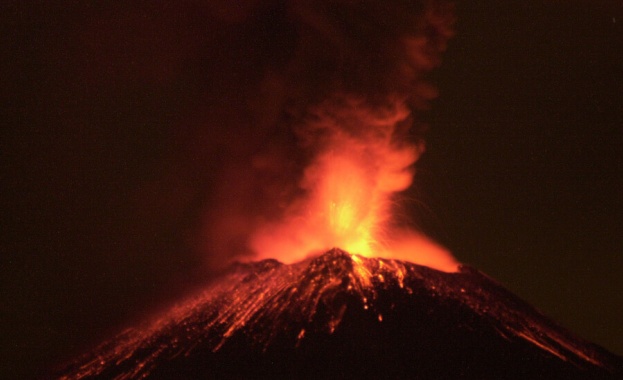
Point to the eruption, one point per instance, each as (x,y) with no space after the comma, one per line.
(344,288)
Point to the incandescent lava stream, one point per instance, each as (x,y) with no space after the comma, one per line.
(340,315)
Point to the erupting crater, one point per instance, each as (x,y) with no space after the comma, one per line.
(340,315)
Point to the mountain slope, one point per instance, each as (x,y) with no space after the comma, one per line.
(342,316)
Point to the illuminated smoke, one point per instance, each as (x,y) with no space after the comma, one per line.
(339,106)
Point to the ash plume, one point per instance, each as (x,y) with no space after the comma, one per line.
(210,123)
(331,79)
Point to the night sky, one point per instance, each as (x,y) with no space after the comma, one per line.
(119,131)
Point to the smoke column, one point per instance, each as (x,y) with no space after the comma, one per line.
(335,92)
(275,128)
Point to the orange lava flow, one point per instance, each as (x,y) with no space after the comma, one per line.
(350,192)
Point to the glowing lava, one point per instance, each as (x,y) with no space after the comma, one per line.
(342,314)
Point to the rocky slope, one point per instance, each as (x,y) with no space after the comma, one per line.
(345,316)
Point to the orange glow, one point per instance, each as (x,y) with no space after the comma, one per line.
(350,189)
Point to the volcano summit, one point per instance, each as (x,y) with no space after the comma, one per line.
(343,316)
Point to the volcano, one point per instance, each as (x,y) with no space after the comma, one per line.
(340,315)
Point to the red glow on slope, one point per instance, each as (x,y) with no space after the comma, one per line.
(350,190)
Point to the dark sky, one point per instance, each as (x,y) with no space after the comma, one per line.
(524,169)
(108,166)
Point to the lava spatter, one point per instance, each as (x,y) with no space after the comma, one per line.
(340,313)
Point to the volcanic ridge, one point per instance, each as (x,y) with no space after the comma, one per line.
(340,315)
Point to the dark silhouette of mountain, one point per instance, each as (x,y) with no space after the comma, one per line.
(345,316)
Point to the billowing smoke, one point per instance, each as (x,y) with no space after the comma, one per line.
(327,129)
(250,129)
